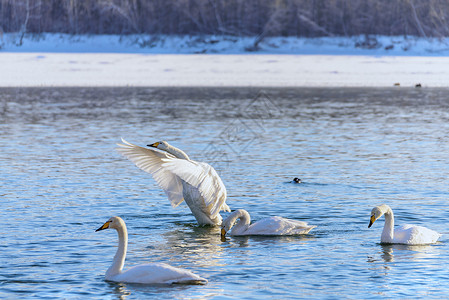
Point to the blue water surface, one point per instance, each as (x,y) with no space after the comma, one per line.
(352,148)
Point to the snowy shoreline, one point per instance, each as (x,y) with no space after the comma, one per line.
(211,44)
(109,70)
(58,60)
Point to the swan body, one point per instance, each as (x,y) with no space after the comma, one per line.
(182,179)
(267,226)
(148,273)
(406,234)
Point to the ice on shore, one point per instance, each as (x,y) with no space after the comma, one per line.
(62,60)
(156,44)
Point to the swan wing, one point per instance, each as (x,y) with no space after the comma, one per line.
(415,235)
(203,177)
(151,161)
(159,273)
(278,226)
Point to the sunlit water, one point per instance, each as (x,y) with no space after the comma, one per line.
(353,149)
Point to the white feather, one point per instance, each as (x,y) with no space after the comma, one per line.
(406,234)
(204,178)
(268,226)
(153,273)
(182,179)
(150,161)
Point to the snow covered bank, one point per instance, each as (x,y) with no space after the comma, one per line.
(379,45)
(108,61)
(112,69)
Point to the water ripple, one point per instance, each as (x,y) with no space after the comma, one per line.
(352,148)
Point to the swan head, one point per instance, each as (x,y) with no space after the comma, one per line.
(224,230)
(297,180)
(163,145)
(378,212)
(226,226)
(114,222)
(240,216)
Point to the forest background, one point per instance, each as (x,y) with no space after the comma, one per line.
(260,18)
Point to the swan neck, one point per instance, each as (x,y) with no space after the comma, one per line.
(177,152)
(388,231)
(243,220)
(120,255)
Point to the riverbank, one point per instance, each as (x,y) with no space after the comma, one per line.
(54,60)
(113,69)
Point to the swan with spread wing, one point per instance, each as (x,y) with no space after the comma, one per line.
(182,179)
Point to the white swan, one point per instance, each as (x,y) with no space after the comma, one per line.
(268,226)
(406,234)
(182,179)
(148,273)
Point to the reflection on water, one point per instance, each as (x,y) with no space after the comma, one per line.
(200,243)
(131,290)
(395,252)
(399,268)
(243,241)
(352,148)
(119,290)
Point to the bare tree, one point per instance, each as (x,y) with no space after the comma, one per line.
(1,37)
(124,9)
(417,21)
(23,28)
(258,18)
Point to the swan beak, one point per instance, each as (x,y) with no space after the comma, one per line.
(223,235)
(154,145)
(105,226)
(371,221)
